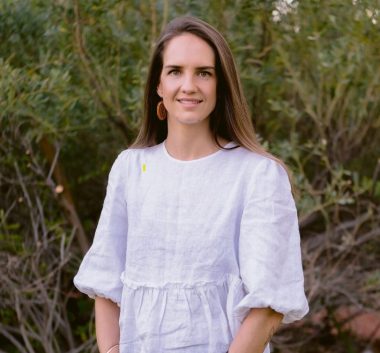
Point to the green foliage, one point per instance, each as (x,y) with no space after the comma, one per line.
(72,77)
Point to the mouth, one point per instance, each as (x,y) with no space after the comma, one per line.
(189,101)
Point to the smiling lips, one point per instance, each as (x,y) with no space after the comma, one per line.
(189,101)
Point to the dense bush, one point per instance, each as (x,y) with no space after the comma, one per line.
(71,84)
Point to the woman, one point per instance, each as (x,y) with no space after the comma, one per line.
(198,239)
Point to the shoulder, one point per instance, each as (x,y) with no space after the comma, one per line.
(262,172)
(132,159)
(259,164)
(136,152)
(130,154)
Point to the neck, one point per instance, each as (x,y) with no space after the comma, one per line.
(189,142)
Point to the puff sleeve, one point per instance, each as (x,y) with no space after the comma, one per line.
(269,246)
(100,271)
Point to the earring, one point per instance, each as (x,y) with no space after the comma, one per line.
(161,111)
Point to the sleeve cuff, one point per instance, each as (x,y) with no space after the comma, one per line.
(290,311)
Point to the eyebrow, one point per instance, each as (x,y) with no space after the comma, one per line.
(198,68)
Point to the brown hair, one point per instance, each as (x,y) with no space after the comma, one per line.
(230,118)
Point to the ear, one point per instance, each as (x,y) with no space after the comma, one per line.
(159,90)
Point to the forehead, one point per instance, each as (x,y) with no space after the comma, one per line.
(186,50)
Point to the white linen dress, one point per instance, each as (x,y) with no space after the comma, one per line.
(186,248)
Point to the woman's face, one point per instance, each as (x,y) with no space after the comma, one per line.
(188,81)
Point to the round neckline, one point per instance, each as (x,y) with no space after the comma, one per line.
(228,144)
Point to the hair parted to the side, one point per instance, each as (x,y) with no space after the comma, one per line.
(230,118)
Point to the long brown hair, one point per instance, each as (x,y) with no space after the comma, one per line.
(230,118)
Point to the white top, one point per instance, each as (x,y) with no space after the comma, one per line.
(186,248)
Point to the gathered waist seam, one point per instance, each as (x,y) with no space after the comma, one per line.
(228,279)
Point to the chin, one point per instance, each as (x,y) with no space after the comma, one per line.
(192,121)
(186,120)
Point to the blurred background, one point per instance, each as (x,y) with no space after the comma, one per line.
(72,75)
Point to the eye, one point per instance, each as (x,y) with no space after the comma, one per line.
(204,74)
(174,72)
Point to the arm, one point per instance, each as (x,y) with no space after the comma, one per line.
(269,247)
(256,331)
(107,324)
(102,266)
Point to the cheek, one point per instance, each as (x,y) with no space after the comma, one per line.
(166,88)
(212,93)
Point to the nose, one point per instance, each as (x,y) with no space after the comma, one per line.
(188,84)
